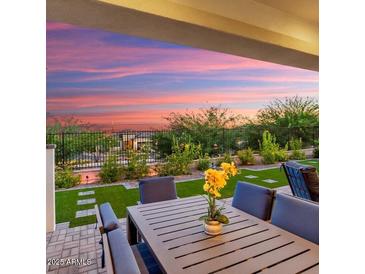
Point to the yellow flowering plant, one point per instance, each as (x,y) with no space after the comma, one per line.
(215,180)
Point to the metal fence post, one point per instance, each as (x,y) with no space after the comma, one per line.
(63,148)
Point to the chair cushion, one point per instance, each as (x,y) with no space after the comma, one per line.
(312,181)
(121,253)
(157,189)
(110,221)
(298,216)
(253,199)
(149,261)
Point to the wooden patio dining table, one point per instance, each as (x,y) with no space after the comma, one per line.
(247,244)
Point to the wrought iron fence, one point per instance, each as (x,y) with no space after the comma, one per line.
(83,150)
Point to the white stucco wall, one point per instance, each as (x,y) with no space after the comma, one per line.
(50,189)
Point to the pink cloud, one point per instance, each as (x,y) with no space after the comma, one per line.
(211,96)
(97,59)
(55,26)
(95,56)
(128,119)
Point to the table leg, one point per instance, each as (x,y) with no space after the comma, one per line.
(131,232)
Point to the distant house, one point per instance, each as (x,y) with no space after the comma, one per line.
(134,140)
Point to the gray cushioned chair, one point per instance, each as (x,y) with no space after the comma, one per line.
(157,189)
(121,258)
(296,215)
(253,199)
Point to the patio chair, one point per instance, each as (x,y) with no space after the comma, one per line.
(121,258)
(157,189)
(253,199)
(303,180)
(296,215)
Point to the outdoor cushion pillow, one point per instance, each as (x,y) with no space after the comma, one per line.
(312,181)
(110,221)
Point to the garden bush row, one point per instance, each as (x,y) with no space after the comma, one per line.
(180,160)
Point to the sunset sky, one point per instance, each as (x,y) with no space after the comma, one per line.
(120,81)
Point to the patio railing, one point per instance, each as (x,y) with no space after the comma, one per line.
(83,150)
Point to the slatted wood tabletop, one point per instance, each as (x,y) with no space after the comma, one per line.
(247,244)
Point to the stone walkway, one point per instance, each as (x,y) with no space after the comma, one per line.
(88,201)
(75,250)
(284,190)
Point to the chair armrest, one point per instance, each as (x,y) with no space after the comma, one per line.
(98,220)
(107,254)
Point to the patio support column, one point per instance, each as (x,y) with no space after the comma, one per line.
(50,189)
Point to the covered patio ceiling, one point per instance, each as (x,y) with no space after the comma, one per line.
(278,31)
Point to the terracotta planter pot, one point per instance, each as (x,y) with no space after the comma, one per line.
(212,227)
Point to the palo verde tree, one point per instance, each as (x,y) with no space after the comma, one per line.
(292,117)
(291,112)
(205,127)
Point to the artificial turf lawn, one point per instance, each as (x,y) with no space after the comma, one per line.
(119,197)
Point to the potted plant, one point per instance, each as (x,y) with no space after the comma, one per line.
(215,180)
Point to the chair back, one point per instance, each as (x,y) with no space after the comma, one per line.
(296,215)
(253,199)
(157,189)
(296,180)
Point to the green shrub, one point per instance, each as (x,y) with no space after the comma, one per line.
(246,156)
(295,146)
(282,154)
(65,178)
(203,162)
(268,156)
(270,150)
(227,158)
(316,149)
(163,142)
(178,163)
(111,171)
(137,164)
